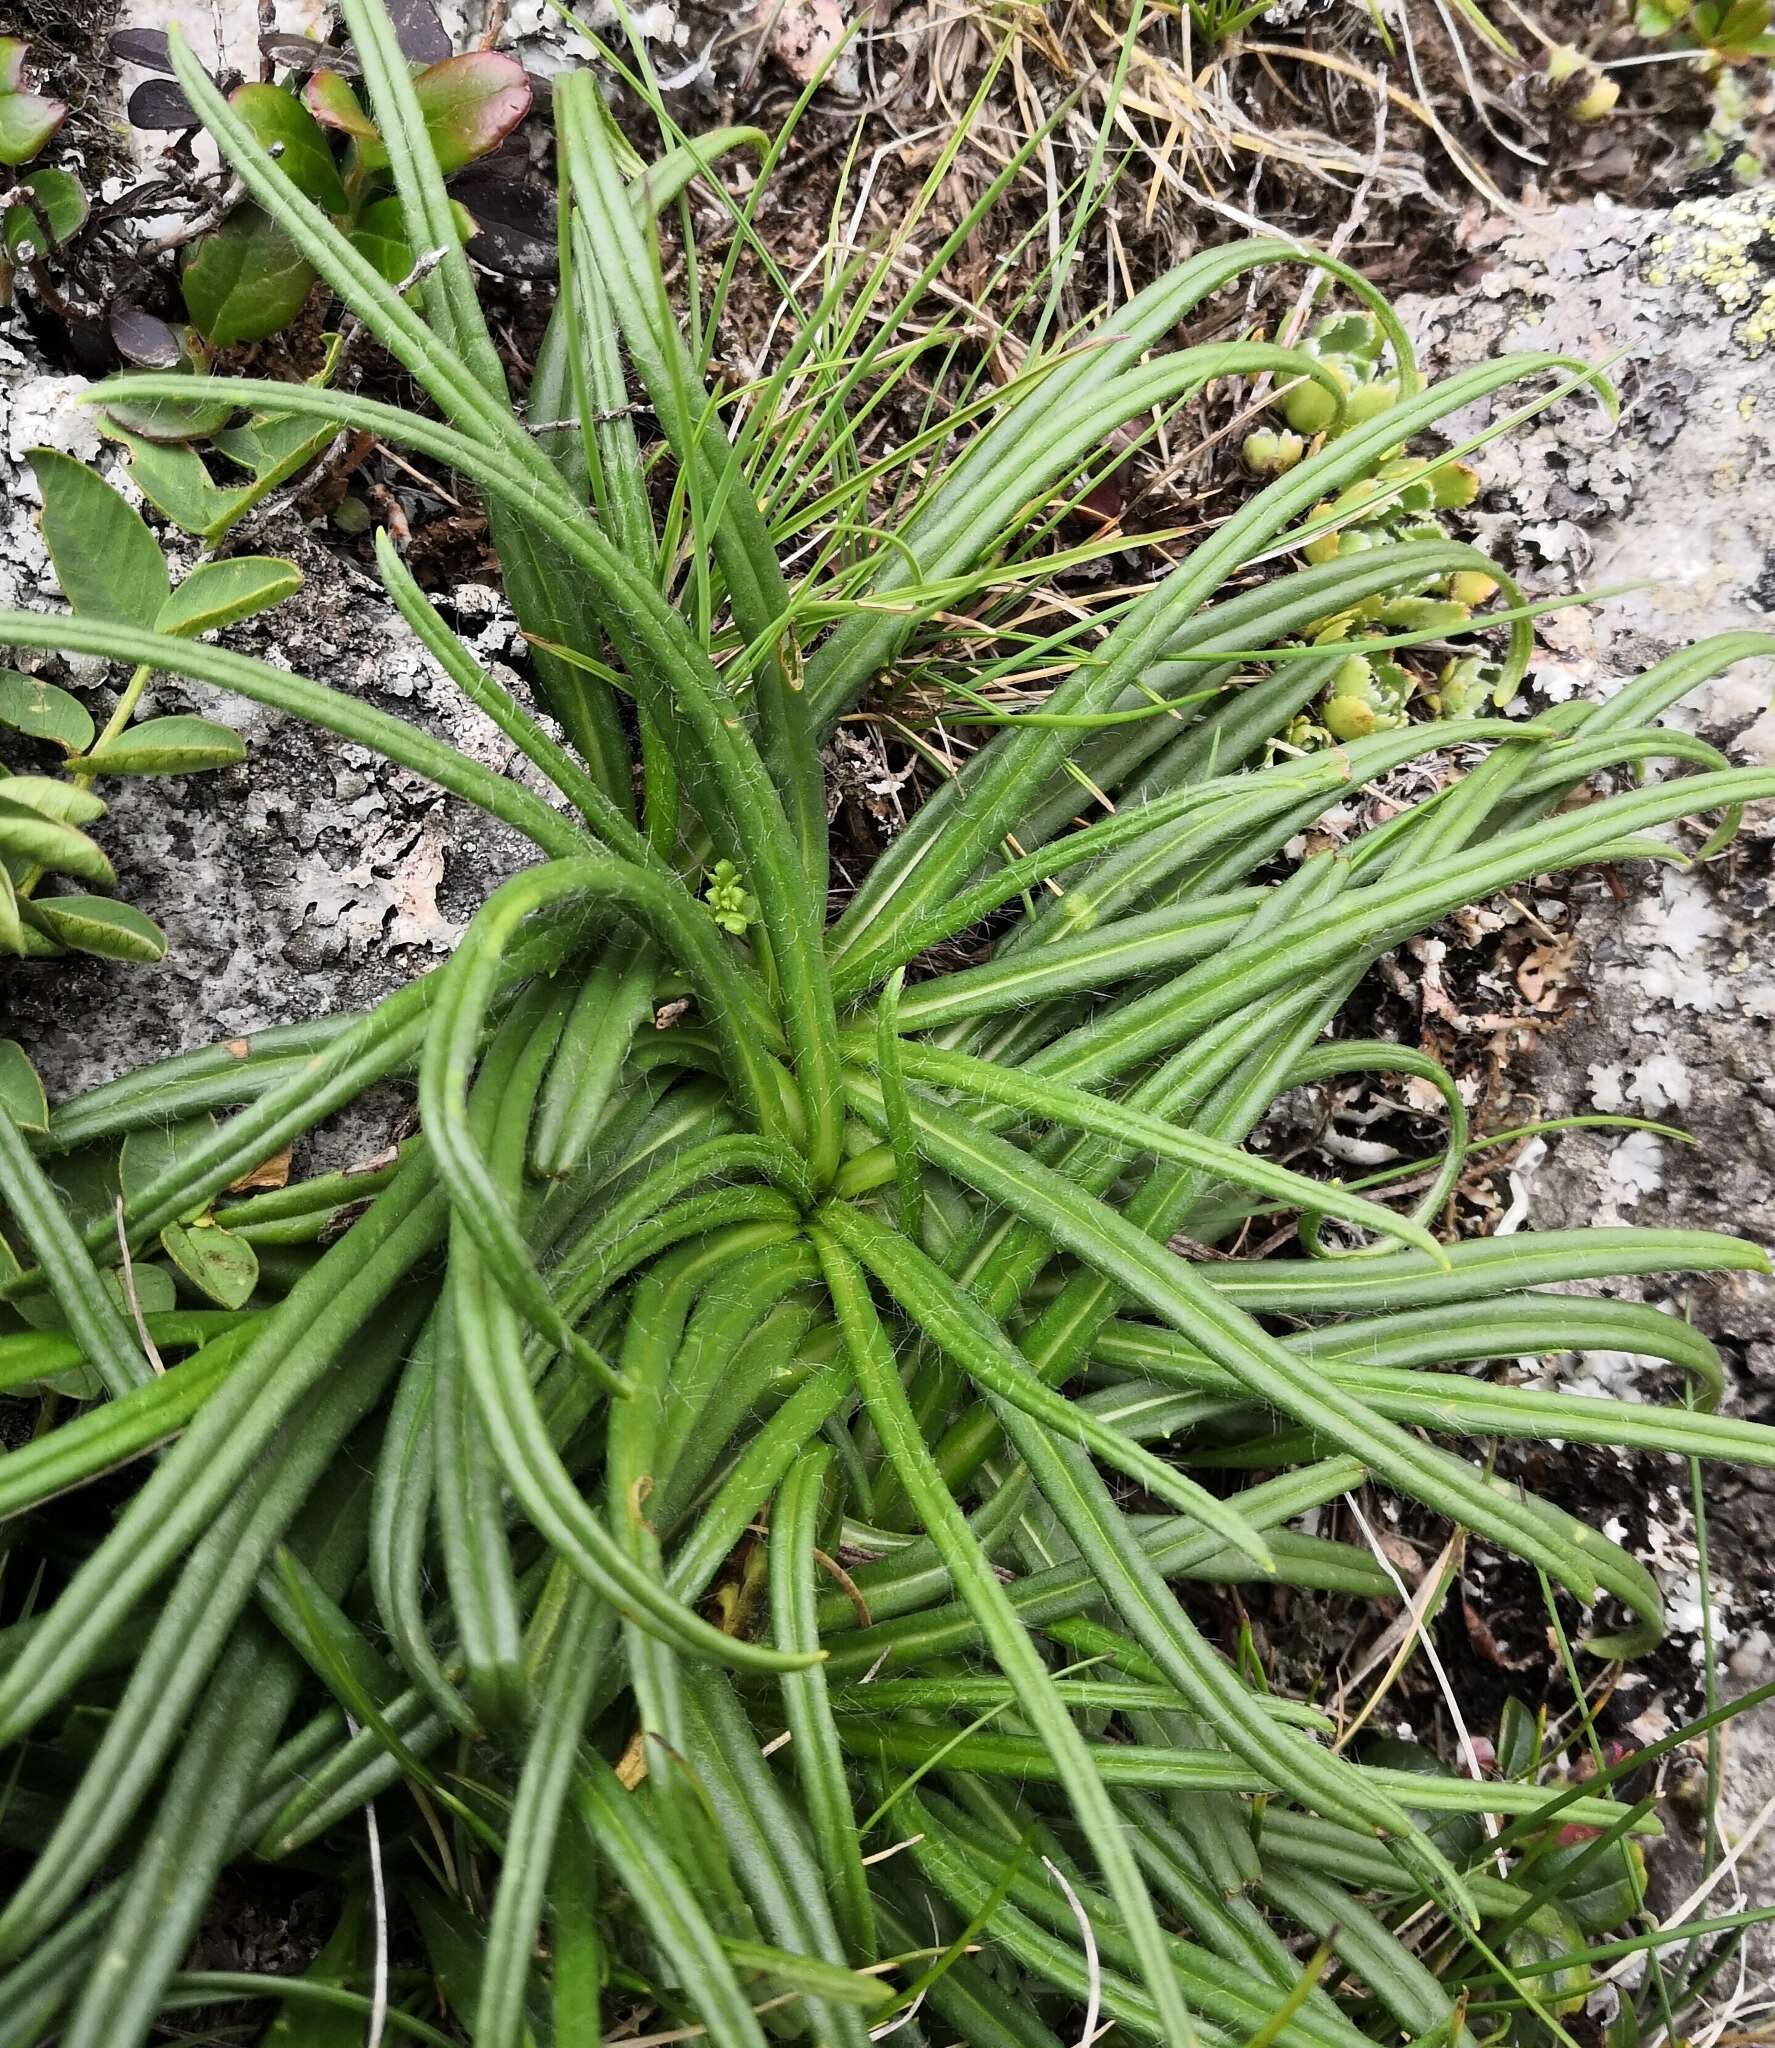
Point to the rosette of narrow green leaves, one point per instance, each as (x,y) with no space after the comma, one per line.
(731,1509)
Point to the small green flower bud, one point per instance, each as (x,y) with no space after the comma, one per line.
(1598,103)
(1268,453)
(733,904)
(1310,408)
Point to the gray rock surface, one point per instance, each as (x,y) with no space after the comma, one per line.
(1678,992)
(1672,985)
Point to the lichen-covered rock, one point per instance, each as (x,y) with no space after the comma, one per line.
(1679,496)
(1674,996)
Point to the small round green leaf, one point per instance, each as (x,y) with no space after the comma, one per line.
(35,226)
(21,1092)
(245,281)
(292,135)
(106,560)
(166,746)
(44,711)
(216,1262)
(153,1286)
(215,594)
(381,235)
(147,1153)
(98,925)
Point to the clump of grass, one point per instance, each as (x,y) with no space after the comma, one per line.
(793,1369)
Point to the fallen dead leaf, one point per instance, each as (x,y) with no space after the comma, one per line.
(631,1766)
(1545,971)
(269,1173)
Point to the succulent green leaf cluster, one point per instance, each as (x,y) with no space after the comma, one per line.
(248,279)
(47,207)
(1400,499)
(773,1329)
(1731,30)
(733,904)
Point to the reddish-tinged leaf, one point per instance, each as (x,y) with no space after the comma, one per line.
(27,121)
(12,63)
(333,104)
(471,104)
